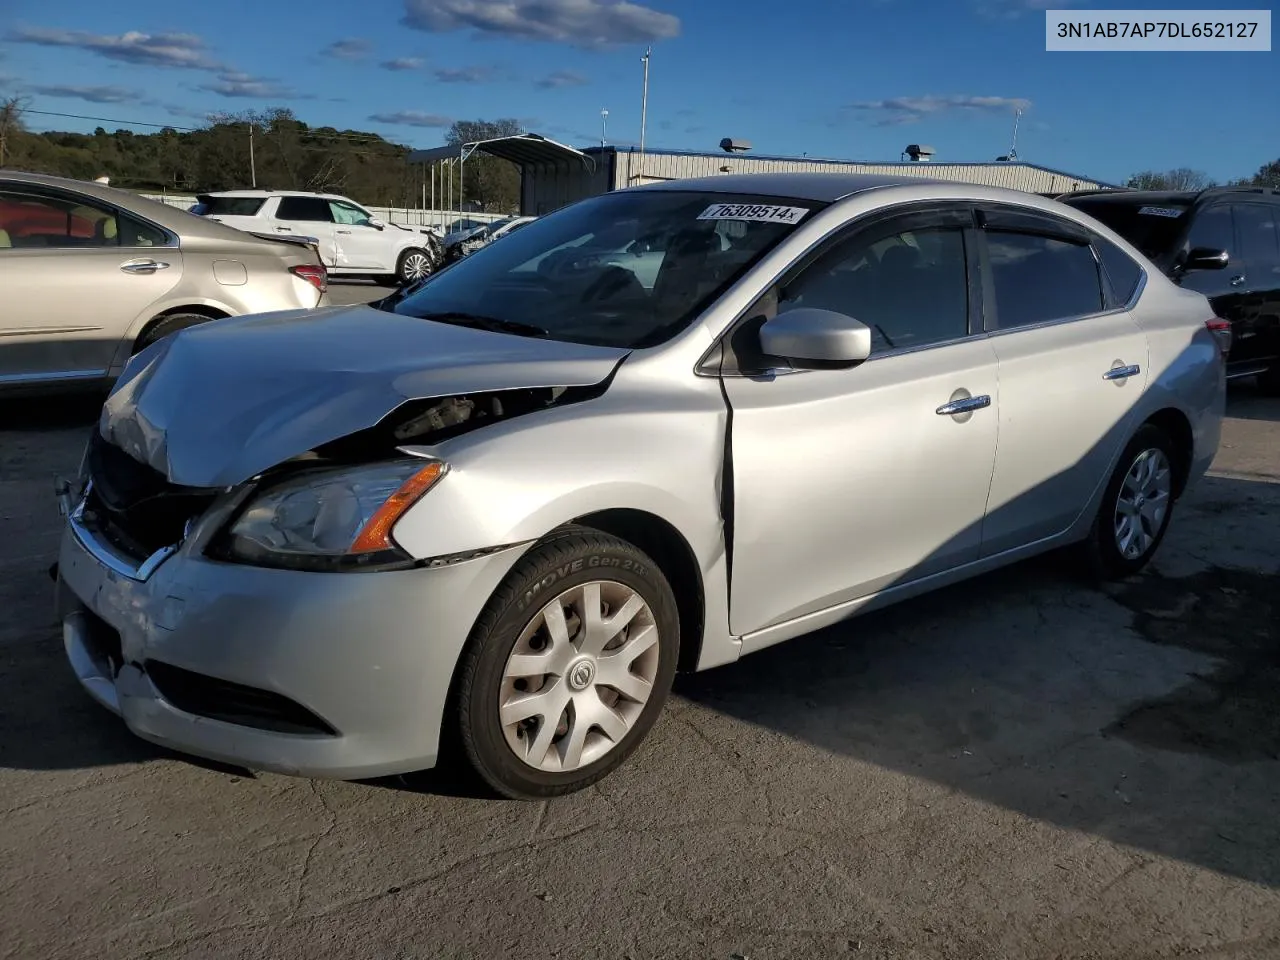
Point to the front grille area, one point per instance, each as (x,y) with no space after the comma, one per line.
(135,507)
(230,702)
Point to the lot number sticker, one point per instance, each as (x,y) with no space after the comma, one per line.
(761,212)
(1173,212)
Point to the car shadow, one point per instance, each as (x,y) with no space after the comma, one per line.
(1142,712)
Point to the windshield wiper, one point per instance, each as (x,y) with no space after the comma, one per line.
(480,322)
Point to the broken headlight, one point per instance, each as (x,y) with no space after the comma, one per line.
(329,519)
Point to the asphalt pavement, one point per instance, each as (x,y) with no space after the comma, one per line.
(1021,766)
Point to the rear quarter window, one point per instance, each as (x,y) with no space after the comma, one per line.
(1122,272)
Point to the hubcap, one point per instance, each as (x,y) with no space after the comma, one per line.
(415,266)
(1143,503)
(579,676)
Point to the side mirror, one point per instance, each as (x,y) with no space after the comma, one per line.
(376,223)
(1206,258)
(816,339)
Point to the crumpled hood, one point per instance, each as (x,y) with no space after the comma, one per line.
(223,401)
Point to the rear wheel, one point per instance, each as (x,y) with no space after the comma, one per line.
(568,666)
(413,265)
(1136,507)
(167,325)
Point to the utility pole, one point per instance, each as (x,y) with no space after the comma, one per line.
(253,167)
(604,127)
(644,105)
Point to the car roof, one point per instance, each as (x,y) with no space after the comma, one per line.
(822,187)
(1263,194)
(1138,196)
(264,194)
(174,219)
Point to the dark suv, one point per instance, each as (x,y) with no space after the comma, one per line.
(1223,242)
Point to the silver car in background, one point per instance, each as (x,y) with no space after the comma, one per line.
(491,520)
(90,274)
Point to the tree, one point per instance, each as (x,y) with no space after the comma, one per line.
(492,183)
(1268,175)
(11,125)
(1180,178)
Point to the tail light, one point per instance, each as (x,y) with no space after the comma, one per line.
(314,274)
(1221,330)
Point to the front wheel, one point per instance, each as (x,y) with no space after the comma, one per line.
(413,265)
(1136,507)
(568,666)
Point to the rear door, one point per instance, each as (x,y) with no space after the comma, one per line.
(1256,328)
(74,275)
(307,217)
(1072,367)
(358,244)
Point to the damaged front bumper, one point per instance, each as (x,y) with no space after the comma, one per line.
(340,675)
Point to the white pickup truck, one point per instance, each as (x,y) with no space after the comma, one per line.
(352,241)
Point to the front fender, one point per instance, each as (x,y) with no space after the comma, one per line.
(514,482)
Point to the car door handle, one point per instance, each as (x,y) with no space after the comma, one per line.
(143,266)
(963,406)
(284,229)
(342,231)
(1122,373)
(1236,281)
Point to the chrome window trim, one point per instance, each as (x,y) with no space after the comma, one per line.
(172,240)
(708,363)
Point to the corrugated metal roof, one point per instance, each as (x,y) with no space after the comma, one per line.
(527,149)
(658,162)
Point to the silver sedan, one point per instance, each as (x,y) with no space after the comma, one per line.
(491,519)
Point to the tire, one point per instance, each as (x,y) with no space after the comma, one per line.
(1115,549)
(167,325)
(528,757)
(414,264)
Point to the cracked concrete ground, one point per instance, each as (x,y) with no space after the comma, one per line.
(1017,767)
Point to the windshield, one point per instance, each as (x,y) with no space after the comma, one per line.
(1153,228)
(624,269)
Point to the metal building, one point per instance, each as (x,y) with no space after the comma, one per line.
(553,175)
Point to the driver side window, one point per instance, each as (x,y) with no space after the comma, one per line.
(910,287)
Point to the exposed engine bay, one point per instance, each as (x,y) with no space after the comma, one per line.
(434,420)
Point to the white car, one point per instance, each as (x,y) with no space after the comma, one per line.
(352,241)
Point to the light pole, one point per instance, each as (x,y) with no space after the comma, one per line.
(604,126)
(644,105)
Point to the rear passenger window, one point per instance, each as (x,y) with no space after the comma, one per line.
(1038,279)
(1122,272)
(910,288)
(312,209)
(1259,242)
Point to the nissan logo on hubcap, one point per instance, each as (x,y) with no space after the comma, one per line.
(581,674)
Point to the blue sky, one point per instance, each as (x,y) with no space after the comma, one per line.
(856,79)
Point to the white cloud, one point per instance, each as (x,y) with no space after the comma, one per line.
(587,23)
(562,78)
(183,50)
(403,63)
(412,118)
(349,48)
(105,94)
(896,111)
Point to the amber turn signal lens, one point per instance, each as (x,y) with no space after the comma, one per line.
(376,534)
